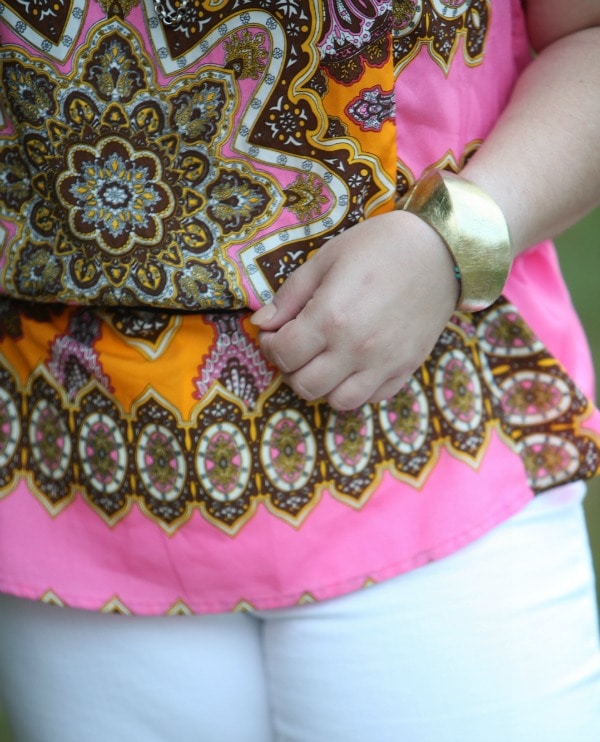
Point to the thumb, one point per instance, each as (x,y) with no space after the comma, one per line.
(292,297)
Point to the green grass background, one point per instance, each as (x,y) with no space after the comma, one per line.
(579,251)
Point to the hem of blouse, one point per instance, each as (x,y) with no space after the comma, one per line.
(251,604)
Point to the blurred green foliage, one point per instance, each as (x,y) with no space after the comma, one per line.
(579,252)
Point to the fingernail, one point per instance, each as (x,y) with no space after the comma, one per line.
(264,314)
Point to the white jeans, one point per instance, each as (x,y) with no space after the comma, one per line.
(498,643)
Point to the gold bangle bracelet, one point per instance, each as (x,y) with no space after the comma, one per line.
(474,230)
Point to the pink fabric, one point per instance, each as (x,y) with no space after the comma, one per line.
(75,557)
(538,290)
(335,551)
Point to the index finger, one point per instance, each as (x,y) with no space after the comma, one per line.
(293,345)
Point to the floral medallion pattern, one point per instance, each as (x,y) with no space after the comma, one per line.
(140,186)
(123,205)
(249,440)
(149,175)
(115,195)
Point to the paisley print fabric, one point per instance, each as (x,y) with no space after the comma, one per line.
(247,440)
(158,183)
(440,24)
(199,188)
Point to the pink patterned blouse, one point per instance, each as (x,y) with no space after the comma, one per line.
(157,183)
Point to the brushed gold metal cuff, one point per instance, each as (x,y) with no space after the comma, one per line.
(474,230)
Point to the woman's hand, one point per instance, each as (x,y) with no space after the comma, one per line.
(354,322)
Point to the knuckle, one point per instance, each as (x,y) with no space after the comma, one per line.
(272,351)
(275,348)
(367,347)
(279,360)
(337,321)
(301,388)
(343,401)
(264,342)
(388,390)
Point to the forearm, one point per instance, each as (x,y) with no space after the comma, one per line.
(541,162)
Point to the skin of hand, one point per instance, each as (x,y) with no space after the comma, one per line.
(356,320)
(353,323)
